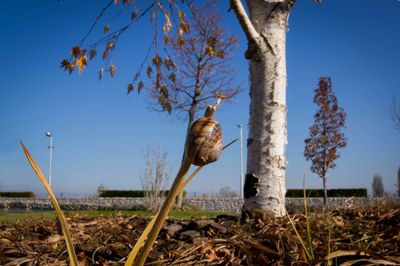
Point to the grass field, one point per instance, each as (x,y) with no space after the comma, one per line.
(12,217)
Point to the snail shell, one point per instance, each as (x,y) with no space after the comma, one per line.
(204,142)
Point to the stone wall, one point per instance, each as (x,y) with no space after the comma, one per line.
(232,205)
(93,203)
(217,204)
(292,204)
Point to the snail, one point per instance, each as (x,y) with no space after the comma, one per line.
(204,142)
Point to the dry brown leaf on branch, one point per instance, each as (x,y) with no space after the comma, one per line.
(130,88)
(112,70)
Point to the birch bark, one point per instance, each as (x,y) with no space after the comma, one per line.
(266,164)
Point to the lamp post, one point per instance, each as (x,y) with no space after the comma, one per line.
(50,136)
(241,160)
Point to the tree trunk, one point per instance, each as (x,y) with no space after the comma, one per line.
(266,164)
(325,170)
(191,114)
(398,182)
(324,178)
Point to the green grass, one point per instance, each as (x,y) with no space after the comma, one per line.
(12,217)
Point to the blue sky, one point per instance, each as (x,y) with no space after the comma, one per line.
(100,133)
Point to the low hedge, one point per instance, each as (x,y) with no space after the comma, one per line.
(22,194)
(121,193)
(106,193)
(332,193)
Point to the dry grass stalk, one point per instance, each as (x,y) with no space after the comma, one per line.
(60,215)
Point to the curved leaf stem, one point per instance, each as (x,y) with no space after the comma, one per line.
(61,218)
(169,201)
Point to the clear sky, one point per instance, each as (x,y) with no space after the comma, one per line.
(100,133)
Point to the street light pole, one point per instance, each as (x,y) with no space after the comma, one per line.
(49,135)
(241,160)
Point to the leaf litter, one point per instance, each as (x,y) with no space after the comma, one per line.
(348,236)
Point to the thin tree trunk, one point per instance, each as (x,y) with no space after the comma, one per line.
(398,182)
(195,101)
(324,179)
(191,113)
(324,171)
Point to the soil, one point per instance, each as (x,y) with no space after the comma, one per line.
(348,236)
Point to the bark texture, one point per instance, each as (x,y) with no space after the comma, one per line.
(266,164)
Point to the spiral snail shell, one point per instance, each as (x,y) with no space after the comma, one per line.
(204,142)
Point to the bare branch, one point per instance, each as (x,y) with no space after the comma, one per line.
(117,33)
(185,92)
(244,20)
(96,21)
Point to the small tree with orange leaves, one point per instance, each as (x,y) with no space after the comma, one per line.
(326,135)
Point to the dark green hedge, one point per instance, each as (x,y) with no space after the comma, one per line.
(23,194)
(124,193)
(332,193)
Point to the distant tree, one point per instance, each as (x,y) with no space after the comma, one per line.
(326,135)
(395,114)
(100,188)
(398,182)
(377,186)
(155,177)
(226,192)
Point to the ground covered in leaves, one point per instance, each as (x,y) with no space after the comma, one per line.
(350,236)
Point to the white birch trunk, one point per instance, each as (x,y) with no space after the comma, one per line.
(266,164)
